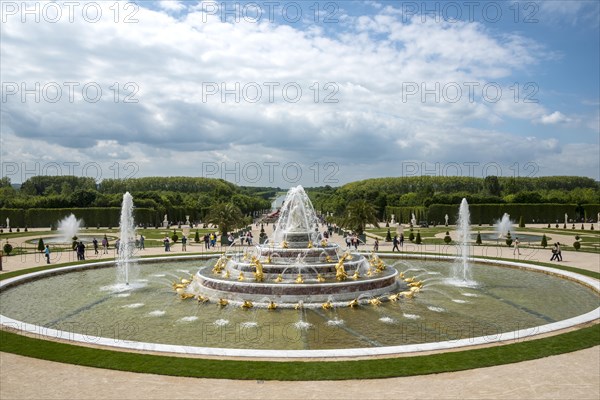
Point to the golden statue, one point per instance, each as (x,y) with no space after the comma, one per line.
(356,275)
(324,243)
(298,306)
(258,274)
(223,302)
(394,297)
(375,301)
(328,259)
(284,244)
(353,303)
(202,299)
(220,265)
(320,278)
(299,279)
(340,273)
(310,244)
(271,306)
(241,277)
(247,304)
(185,296)
(279,278)
(327,305)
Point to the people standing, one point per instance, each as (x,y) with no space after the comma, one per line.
(516,247)
(47,254)
(376,245)
(105,245)
(348,241)
(142,242)
(95,243)
(117,245)
(401,240)
(167,243)
(183,243)
(207,241)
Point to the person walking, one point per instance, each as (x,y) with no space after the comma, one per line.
(95,243)
(395,242)
(516,247)
(554,252)
(558,252)
(401,240)
(376,245)
(142,242)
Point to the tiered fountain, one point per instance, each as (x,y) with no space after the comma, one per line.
(296,266)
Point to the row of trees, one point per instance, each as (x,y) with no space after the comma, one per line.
(176,196)
(425,191)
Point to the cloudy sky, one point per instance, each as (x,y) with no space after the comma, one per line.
(318,93)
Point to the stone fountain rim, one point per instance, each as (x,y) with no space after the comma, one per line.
(75,338)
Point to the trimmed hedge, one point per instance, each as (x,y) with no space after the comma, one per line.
(91,216)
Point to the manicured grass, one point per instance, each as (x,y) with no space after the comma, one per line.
(297,370)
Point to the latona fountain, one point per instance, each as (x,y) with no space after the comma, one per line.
(296,267)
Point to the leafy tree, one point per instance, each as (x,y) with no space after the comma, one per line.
(358,214)
(492,185)
(226,215)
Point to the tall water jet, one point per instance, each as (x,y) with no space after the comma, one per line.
(68,227)
(462,272)
(503,226)
(127,239)
(297,224)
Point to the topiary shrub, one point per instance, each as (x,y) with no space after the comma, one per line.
(548,225)
(388,236)
(582,227)
(447,238)
(418,238)
(478,240)
(197,237)
(174,237)
(40,245)
(544,241)
(7,248)
(577,245)
(411,237)
(521,222)
(74,242)
(508,239)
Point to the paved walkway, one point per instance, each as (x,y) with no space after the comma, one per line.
(566,376)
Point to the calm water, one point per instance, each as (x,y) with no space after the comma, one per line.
(505,300)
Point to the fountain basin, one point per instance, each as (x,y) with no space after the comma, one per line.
(236,339)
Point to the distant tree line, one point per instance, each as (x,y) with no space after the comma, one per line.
(174,196)
(408,194)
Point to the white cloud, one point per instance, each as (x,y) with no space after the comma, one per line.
(171,67)
(555,118)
